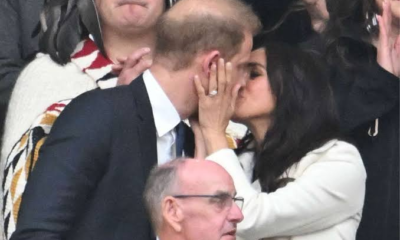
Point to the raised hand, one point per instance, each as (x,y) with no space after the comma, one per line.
(131,67)
(216,105)
(388,49)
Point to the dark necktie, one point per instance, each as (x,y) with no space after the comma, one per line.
(180,139)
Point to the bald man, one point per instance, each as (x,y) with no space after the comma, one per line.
(192,199)
(89,179)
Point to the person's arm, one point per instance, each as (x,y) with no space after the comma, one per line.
(70,165)
(329,191)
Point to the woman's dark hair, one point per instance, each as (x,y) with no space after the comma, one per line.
(304,117)
(351,27)
(285,20)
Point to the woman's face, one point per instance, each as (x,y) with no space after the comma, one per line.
(255,100)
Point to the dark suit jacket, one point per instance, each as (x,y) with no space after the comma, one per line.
(90,176)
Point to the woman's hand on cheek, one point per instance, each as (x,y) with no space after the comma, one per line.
(216,107)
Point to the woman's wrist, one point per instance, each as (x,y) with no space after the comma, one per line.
(214,141)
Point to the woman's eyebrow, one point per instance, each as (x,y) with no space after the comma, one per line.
(255,64)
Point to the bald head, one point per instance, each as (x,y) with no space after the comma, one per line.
(203,177)
(197,26)
(183,176)
(219,8)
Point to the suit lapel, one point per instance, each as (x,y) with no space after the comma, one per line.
(146,127)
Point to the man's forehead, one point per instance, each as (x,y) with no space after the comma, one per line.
(243,56)
(206,177)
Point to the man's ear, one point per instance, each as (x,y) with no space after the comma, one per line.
(172,213)
(209,59)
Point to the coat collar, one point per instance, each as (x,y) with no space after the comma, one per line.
(146,127)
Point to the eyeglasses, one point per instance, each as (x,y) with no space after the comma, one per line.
(224,200)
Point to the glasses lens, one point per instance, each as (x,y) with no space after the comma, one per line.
(239,202)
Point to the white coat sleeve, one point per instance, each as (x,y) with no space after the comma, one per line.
(329,191)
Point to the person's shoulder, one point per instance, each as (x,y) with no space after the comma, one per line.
(42,64)
(333,144)
(42,59)
(100,98)
(337,151)
(332,154)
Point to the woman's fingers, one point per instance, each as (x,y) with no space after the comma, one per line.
(228,73)
(199,87)
(387,14)
(212,83)
(221,76)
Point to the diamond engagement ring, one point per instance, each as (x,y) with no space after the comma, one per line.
(213,93)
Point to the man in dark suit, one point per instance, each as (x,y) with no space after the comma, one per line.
(89,178)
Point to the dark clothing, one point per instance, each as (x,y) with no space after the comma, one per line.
(18,20)
(366,92)
(90,176)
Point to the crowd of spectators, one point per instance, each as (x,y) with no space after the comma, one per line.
(297,101)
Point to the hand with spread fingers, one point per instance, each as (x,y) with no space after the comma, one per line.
(132,66)
(388,47)
(216,105)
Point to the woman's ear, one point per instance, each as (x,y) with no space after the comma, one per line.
(172,213)
(210,59)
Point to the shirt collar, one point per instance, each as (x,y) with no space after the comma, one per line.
(165,115)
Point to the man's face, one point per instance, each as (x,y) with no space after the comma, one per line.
(241,59)
(129,15)
(209,218)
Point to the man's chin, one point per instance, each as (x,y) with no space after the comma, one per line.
(229,235)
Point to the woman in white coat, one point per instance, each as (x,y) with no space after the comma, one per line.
(298,179)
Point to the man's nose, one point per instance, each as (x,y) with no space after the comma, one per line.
(235,214)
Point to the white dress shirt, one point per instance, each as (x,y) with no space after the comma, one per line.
(166,118)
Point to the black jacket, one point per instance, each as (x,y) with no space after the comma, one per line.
(364,93)
(91,173)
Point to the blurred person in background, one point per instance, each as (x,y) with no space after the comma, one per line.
(363,50)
